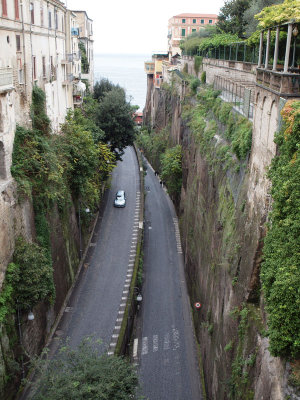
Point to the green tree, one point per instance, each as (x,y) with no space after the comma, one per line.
(82,374)
(115,118)
(231,18)
(280,271)
(255,7)
(102,87)
(85,66)
(172,170)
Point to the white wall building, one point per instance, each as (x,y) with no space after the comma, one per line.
(39,46)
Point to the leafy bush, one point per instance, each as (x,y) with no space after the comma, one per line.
(171,172)
(34,277)
(279,14)
(280,271)
(217,40)
(197,64)
(83,374)
(203,77)
(85,66)
(194,84)
(154,145)
(238,128)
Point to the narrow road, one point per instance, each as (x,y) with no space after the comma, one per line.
(165,348)
(95,301)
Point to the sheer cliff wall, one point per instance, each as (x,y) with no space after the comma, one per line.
(222,219)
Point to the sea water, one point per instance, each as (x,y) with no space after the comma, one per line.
(127,70)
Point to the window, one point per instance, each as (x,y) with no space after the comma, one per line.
(183,20)
(50,22)
(210,21)
(44,66)
(52,67)
(42,15)
(4,8)
(34,67)
(194,30)
(17,12)
(18,42)
(62,24)
(202,21)
(55,19)
(31,8)
(194,21)
(182,32)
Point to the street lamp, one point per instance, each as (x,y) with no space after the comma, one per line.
(295,34)
(87,210)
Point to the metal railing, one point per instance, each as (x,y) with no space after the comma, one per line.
(239,51)
(6,77)
(241,96)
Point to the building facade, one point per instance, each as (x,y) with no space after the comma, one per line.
(39,41)
(182,25)
(85,36)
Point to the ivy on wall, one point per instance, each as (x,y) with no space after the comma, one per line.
(203,119)
(280,271)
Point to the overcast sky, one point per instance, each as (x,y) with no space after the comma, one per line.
(136,26)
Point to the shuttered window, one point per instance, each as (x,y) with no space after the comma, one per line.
(17,12)
(4,8)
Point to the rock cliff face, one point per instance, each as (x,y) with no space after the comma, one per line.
(17,219)
(222,225)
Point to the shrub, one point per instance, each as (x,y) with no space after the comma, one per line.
(194,84)
(197,64)
(172,170)
(203,77)
(280,272)
(84,374)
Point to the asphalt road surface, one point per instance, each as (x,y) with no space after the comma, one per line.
(93,306)
(165,348)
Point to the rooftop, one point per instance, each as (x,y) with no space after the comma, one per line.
(188,15)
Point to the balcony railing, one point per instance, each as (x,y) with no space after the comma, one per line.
(6,77)
(69,80)
(284,84)
(67,58)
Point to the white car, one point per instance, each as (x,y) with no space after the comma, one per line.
(120,200)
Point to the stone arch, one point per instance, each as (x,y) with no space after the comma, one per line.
(273,126)
(262,116)
(2,162)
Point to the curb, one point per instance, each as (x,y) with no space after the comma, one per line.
(123,336)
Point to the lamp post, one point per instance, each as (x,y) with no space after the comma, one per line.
(87,210)
(295,34)
(138,298)
(30,317)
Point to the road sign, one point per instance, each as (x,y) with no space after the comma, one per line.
(197,305)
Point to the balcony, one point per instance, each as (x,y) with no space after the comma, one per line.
(149,67)
(67,59)
(75,31)
(281,83)
(69,80)
(6,79)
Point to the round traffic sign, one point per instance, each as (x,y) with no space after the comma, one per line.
(198,305)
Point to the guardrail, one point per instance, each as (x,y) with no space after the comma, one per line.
(130,310)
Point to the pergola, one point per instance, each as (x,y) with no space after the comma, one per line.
(292,31)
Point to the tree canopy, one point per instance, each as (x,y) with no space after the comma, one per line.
(231,18)
(81,374)
(115,118)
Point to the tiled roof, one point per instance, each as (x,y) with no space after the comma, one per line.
(188,15)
